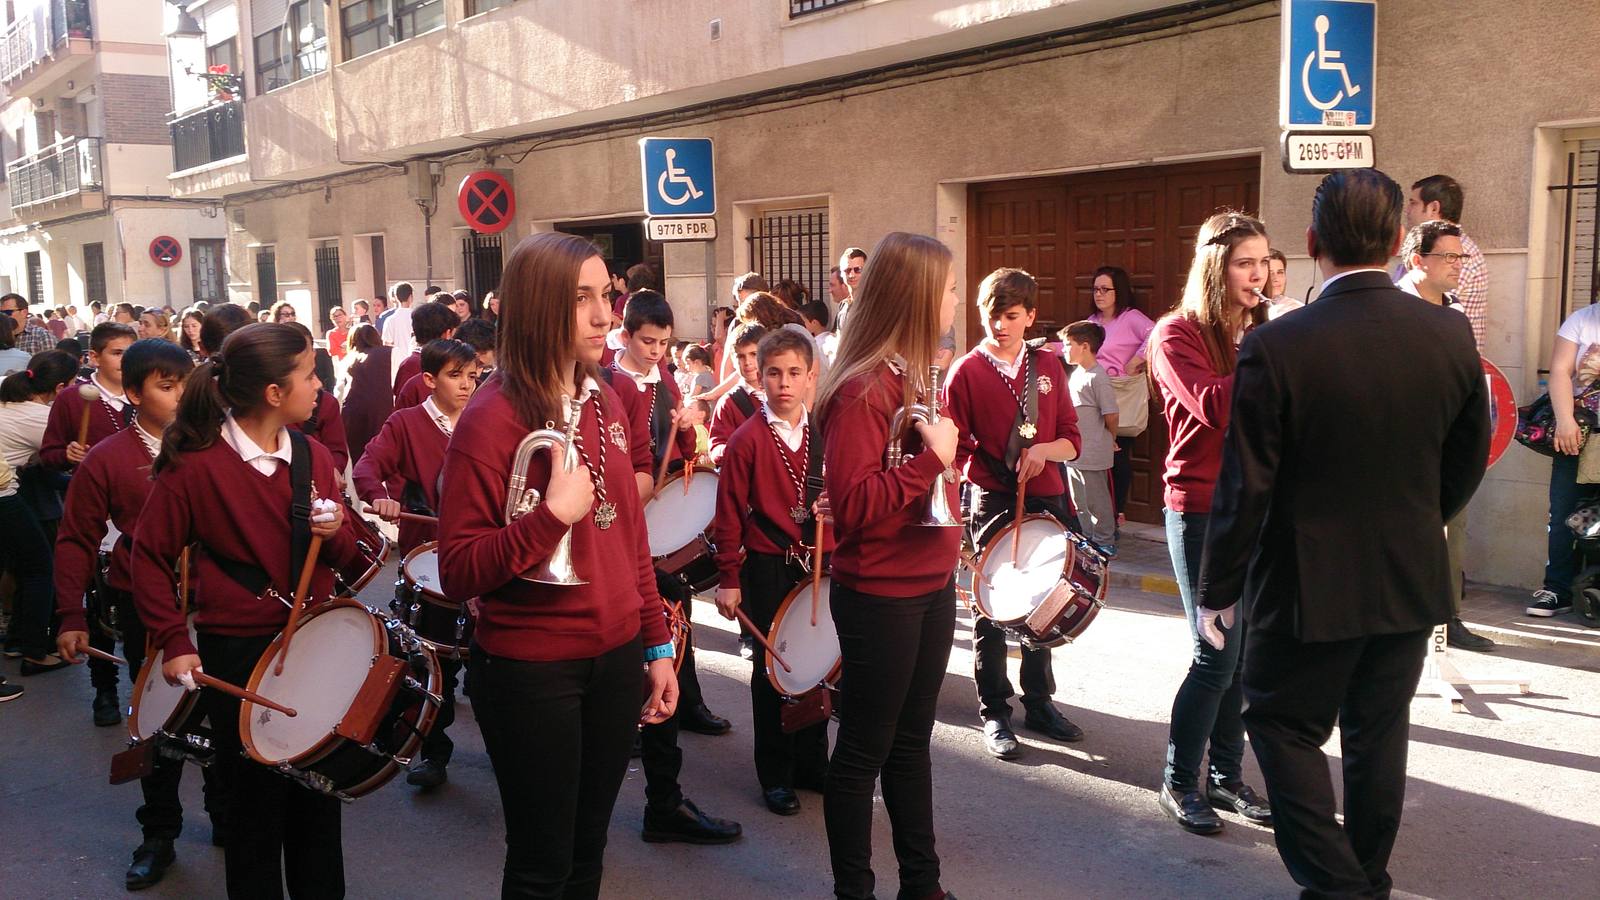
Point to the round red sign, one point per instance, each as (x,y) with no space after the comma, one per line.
(486,202)
(166,251)
(1502,411)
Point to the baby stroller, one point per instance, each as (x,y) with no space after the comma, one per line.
(1585,525)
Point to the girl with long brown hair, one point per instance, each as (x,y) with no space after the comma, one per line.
(555,675)
(1192,353)
(893,594)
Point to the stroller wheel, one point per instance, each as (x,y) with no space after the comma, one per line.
(1588,606)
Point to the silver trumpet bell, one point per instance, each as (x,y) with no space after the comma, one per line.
(522,499)
(937,513)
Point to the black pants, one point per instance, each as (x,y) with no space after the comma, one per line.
(990,512)
(1122,473)
(895,650)
(689,695)
(437,746)
(659,753)
(102,674)
(559,735)
(1294,693)
(26,552)
(782,760)
(280,834)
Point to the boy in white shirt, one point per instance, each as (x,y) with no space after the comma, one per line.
(1089,476)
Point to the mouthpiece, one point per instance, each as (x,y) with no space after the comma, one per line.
(88,392)
(1257,292)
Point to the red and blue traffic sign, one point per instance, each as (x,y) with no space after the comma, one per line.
(486,201)
(165,251)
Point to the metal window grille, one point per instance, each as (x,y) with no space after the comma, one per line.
(94,273)
(1580,248)
(212,134)
(329,290)
(793,244)
(481,262)
(266,276)
(799,8)
(35,277)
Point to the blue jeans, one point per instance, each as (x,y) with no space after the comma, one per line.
(1211,699)
(1566,495)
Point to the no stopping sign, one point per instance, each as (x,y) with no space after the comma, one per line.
(165,251)
(486,201)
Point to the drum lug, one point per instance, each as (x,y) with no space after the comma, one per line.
(415,613)
(415,685)
(461,625)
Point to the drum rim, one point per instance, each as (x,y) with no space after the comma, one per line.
(432,596)
(699,469)
(413,743)
(179,713)
(777,618)
(385,548)
(978,591)
(330,740)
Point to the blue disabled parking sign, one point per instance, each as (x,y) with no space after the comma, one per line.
(679,179)
(1328,64)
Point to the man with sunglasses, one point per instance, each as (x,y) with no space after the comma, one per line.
(31,338)
(1434,255)
(852,262)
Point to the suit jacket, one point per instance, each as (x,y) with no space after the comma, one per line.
(1360,424)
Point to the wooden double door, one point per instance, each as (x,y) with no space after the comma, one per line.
(1061,228)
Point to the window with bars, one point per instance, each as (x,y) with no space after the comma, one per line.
(266,276)
(1580,248)
(792,244)
(94,273)
(799,8)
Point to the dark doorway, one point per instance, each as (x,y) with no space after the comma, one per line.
(330,291)
(621,242)
(482,260)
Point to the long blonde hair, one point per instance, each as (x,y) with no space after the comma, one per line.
(1205,294)
(895,310)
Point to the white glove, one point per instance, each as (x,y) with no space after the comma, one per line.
(1214,624)
(323,510)
(187,679)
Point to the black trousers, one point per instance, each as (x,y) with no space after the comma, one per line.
(26,553)
(782,760)
(559,735)
(990,510)
(1122,472)
(659,753)
(895,651)
(1294,693)
(102,674)
(437,746)
(280,834)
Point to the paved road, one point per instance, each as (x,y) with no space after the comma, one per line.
(1500,804)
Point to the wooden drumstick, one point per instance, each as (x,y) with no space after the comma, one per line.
(1016,526)
(88,393)
(234,690)
(816,573)
(101,654)
(183,583)
(666,460)
(419,518)
(299,599)
(760,638)
(688,473)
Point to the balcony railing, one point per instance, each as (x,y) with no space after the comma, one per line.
(68,167)
(798,8)
(30,39)
(212,134)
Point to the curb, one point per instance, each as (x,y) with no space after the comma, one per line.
(1154,584)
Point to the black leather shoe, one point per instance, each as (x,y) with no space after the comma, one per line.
(1243,800)
(999,740)
(150,862)
(38,665)
(219,834)
(782,801)
(427,774)
(688,825)
(106,709)
(700,720)
(1191,811)
(1048,721)
(1457,635)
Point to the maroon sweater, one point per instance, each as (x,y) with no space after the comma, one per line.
(369,399)
(754,479)
(1196,401)
(61,428)
(410,367)
(413,392)
(985,411)
(330,429)
(726,419)
(480,554)
(213,497)
(882,551)
(111,483)
(636,403)
(409,448)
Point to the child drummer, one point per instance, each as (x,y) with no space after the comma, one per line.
(740,403)
(761,508)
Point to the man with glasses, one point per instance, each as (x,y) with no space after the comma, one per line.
(852,262)
(1434,255)
(1439,198)
(31,338)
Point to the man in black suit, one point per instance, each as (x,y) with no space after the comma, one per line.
(1360,424)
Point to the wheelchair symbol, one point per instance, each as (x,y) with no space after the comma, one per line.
(675,175)
(1327,61)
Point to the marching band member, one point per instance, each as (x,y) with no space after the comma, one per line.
(893,588)
(555,675)
(762,509)
(1016,418)
(111,484)
(326,422)
(742,402)
(410,449)
(657,421)
(232,477)
(110,411)
(432,321)
(479,334)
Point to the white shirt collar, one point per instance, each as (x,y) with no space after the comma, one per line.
(1008,369)
(1322,290)
(589,387)
(152,442)
(614,340)
(117,401)
(438,416)
(792,435)
(640,380)
(897,364)
(251,452)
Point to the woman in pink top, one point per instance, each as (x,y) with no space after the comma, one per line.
(1127,330)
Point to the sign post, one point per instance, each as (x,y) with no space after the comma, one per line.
(1327,72)
(680,198)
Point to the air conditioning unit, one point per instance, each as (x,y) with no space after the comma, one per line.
(420,178)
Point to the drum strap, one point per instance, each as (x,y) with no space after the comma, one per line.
(412,499)
(1005,471)
(300,508)
(742,399)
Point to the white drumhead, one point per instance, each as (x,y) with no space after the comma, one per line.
(1014,592)
(328,660)
(423,569)
(674,518)
(156,701)
(810,652)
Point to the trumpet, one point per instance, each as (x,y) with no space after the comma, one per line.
(938,513)
(522,499)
